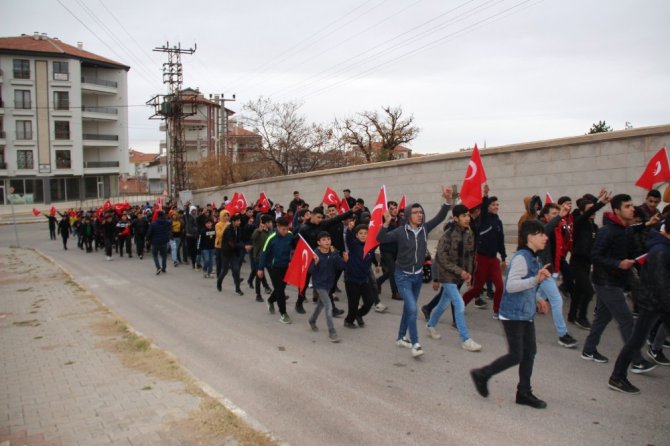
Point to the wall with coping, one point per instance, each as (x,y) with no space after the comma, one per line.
(566,166)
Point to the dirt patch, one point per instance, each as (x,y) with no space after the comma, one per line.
(30,323)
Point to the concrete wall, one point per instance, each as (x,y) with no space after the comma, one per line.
(567,166)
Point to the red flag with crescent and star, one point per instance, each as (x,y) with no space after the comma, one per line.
(263,203)
(237,204)
(330,197)
(52,211)
(657,171)
(303,256)
(376,221)
(343,206)
(475,177)
(548,199)
(402,204)
(36,212)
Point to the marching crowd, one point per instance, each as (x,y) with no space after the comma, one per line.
(562,252)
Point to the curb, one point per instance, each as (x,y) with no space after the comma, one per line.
(206,388)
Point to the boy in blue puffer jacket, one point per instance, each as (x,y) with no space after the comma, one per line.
(357,276)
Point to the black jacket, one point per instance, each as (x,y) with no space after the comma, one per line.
(655,275)
(310,231)
(490,233)
(585,231)
(614,243)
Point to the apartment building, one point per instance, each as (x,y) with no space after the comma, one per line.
(63,121)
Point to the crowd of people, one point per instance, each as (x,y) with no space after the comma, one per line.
(562,252)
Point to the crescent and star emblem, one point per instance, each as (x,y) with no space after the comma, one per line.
(658,168)
(331,199)
(305,261)
(473,170)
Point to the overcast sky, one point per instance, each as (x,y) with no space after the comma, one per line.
(479,71)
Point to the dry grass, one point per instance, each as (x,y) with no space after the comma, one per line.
(29,323)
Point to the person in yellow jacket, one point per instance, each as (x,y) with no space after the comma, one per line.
(221,225)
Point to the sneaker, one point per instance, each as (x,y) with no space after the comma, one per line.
(495,316)
(334,338)
(349,324)
(396,296)
(259,298)
(380,308)
(425,312)
(622,385)
(158,271)
(175,264)
(643,366)
(657,356)
(480,303)
(141,257)
(163,270)
(481,382)
(417,350)
(360,322)
(528,399)
(271,307)
(284,319)
(239,291)
(567,341)
(299,308)
(404,342)
(583,323)
(268,290)
(337,312)
(433,333)
(313,326)
(108,258)
(251,284)
(204,275)
(471,346)
(595,357)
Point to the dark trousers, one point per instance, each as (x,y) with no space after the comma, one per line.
(610,304)
(192,246)
(108,246)
(88,242)
(301,294)
(388,271)
(522,348)
(583,291)
(253,277)
(278,295)
(568,283)
(139,245)
(644,322)
(124,242)
(229,263)
(162,250)
(355,293)
(64,237)
(52,233)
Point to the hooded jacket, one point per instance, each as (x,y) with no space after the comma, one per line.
(532,206)
(221,226)
(324,273)
(614,243)
(412,243)
(310,231)
(490,233)
(455,254)
(358,267)
(191,223)
(585,231)
(655,274)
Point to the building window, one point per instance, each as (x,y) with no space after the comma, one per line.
(24,130)
(62,129)
(61,100)
(63,159)
(22,99)
(61,71)
(24,159)
(21,69)
(2,158)
(2,128)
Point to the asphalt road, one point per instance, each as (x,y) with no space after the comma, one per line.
(365,390)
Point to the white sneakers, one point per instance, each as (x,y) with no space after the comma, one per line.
(417,350)
(380,307)
(471,346)
(404,342)
(433,333)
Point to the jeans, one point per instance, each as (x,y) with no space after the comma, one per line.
(409,287)
(324,302)
(644,322)
(487,267)
(661,334)
(162,250)
(610,303)
(207,256)
(522,348)
(356,292)
(175,244)
(450,294)
(549,290)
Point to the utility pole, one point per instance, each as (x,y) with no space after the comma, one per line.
(172,108)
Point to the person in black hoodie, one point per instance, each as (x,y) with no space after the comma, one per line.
(585,230)
(613,258)
(159,237)
(654,303)
(124,235)
(87,232)
(140,226)
(64,229)
(53,222)
(206,248)
(231,250)
(109,232)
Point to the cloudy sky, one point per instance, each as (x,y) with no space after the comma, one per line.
(491,72)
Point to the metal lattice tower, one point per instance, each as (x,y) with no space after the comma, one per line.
(172,108)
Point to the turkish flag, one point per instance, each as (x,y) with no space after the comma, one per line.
(641,260)
(475,177)
(657,171)
(263,203)
(36,212)
(107,205)
(237,204)
(548,199)
(52,211)
(296,274)
(403,204)
(376,221)
(330,197)
(343,206)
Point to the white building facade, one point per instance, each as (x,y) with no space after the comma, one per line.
(63,121)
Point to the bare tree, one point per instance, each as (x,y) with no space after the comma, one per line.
(288,141)
(375,135)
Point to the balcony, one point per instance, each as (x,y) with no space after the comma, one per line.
(94,85)
(99,113)
(100,140)
(100,164)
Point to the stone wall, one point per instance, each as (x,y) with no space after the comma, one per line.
(567,166)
